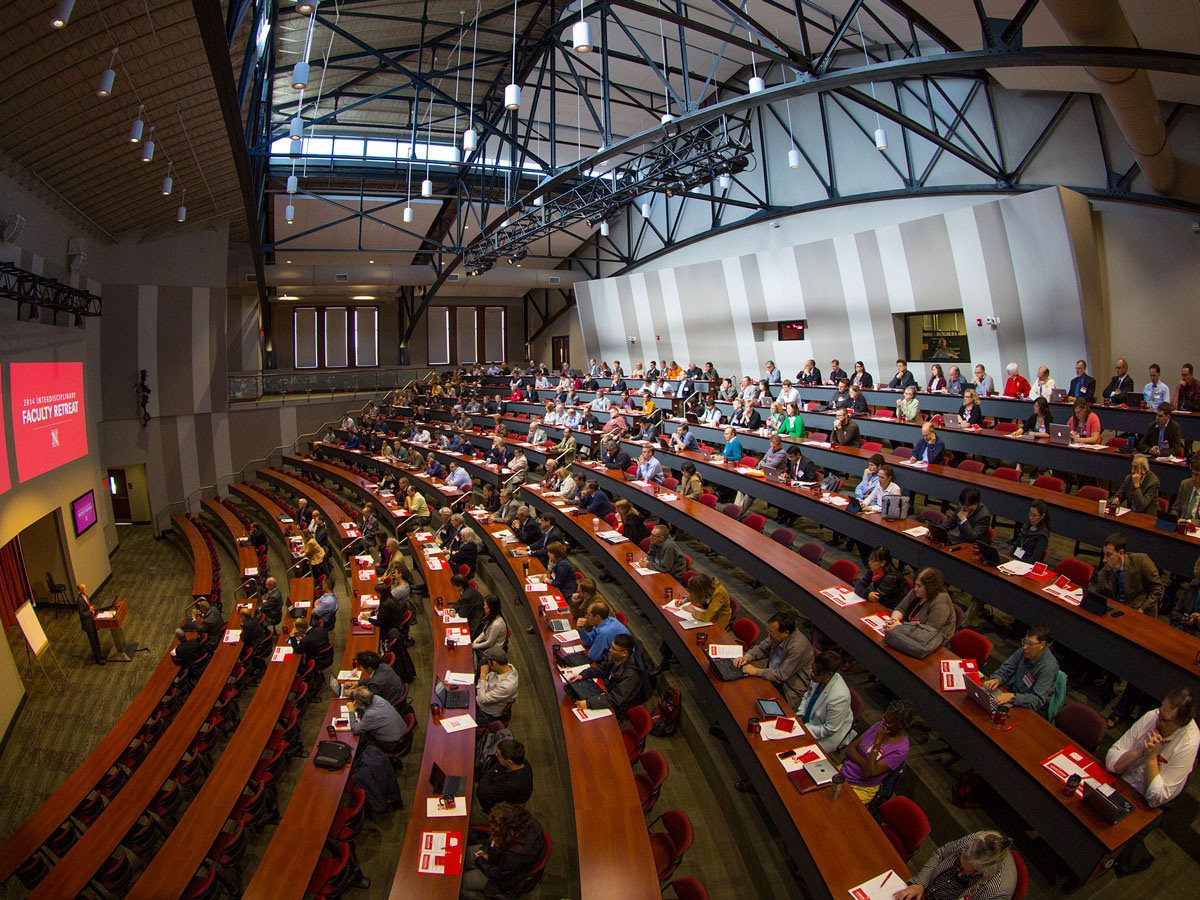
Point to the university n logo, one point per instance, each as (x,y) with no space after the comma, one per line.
(53,437)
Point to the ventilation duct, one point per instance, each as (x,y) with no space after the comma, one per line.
(1130,98)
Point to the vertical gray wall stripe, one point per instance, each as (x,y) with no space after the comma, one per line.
(931,263)
(1002,279)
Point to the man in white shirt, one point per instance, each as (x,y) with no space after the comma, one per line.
(496,688)
(748,389)
(789,394)
(1155,392)
(1157,754)
(649,469)
(601,402)
(983,382)
(1043,385)
(348,423)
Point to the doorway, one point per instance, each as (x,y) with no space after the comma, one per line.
(118,492)
(42,550)
(560,351)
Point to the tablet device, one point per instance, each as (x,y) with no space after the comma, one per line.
(769,709)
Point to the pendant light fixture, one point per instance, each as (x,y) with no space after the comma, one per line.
(135,130)
(427,184)
(408,214)
(512,93)
(470,136)
(296,129)
(306,8)
(581,33)
(412,144)
(604,229)
(168,183)
(794,153)
(293,183)
(62,14)
(881,142)
(181,212)
(756,83)
(666,116)
(148,147)
(725,180)
(289,213)
(645,209)
(455,153)
(108,77)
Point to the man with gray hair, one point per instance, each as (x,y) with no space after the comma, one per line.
(979,865)
(508,508)
(446,530)
(1139,491)
(374,719)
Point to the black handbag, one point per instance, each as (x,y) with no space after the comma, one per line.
(332,755)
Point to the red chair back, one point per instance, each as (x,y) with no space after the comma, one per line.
(784,536)
(644,543)
(972,645)
(857,705)
(971,465)
(1049,482)
(688,889)
(621,617)
(1006,427)
(1021,888)
(709,500)
(755,521)
(733,511)
(905,820)
(845,570)
(1077,570)
(812,551)
(1082,724)
(872,446)
(902,452)
(745,631)
(1007,473)
(1092,492)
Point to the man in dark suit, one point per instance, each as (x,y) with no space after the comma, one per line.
(1128,577)
(271,603)
(1164,437)
(929,448)
(1082,385)
(845,431)
(190,651)
(549,534)
(1121,382)
(87,622)
(207,619)
(1187,501)
(469,604)
(309,639)
(614,456)
(595,501)
(747,417)
(972,521)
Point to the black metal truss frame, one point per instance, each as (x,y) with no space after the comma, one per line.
(42,293)
(938,94)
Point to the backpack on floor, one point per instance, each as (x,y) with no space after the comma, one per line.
(665,718)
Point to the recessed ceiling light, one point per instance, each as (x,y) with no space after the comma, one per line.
(288,297)
(371,261)
(362,297)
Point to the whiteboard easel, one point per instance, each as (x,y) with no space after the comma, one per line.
(36,642)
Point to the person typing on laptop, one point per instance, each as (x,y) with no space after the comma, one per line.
(623,673)
(1027,677)
(788,655)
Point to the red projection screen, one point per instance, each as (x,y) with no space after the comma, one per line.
(49,427)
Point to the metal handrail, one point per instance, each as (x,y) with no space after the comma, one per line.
(252,387)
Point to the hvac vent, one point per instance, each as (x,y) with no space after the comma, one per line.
(555,279)
(341,277)
(251,278)
(453,277)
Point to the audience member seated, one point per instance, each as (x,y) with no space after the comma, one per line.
(664,554)
(1187,501)
(955,383)
(469,604)
(270,604)
(937,380)
(983,384)
(979,866)
(493,630)
(1121,383)
(516,844)
(1139,490)
(908,407)
(650,469)
(309,638)
(496,688)
(879,580)
(549,534)
(861,377)
(373,719)
(507,777)
(630,521)
(1130,578)
(970,415)
(711,600)
(885,485)
(1016,385)
(597,629)
(972,520)
(881,750)
(1164,437)
(190,651)
(623,673)
(561,574)
(595,501)
(732,451)
(1156,392)
(929,448)
(1033,540)
(845,431)
(382,679)
(1027,677)
(928,603)
(466,553)
(691,485)
(1085,424)
(788,657)
(683,439)
(825,707)
(206,619)
(1187,394)
(1039,420)
(1043,386)
(902,379)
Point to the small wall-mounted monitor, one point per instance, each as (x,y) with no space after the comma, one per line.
(83,512)
(792,331)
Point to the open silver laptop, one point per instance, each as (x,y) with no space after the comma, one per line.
(1060,434)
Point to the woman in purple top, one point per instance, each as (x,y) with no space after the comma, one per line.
(880,751)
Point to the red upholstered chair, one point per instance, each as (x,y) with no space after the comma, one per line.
(645,545)
(635,734)
(1049,482)
(621,617)
(1007,473)
(1006,427)
(611,520)
(902,453)
(845,570)
(733,511)
(670,483)
(1116,443)
(872,446)
(784,536)
(971,465)
(959,616)
(670,845)
(885,413)
(535,874)
(812,551)
(649,782)
(1021,888)
(686,580)
(745,631)
(709,500)
(755,521)
(933,517)
(904,824)
(1079,572)
(1082,724)
(334,874)
(688,889)
(972,645)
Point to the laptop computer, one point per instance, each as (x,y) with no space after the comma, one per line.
(821,771)
(725,669)
(446,785)
(982,696)
(335,686)
(771,474)
(450,699)
(988,554)
(571,660)
(1060,434)
(692,418)
(1094,603)
(585,689)
(1111,807)
(705,452)
(938,534)
(1167,521)
(1058,395)
(559,625)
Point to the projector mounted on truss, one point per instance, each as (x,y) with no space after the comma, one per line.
(685,160)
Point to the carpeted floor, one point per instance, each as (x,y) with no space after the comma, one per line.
(735,853)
